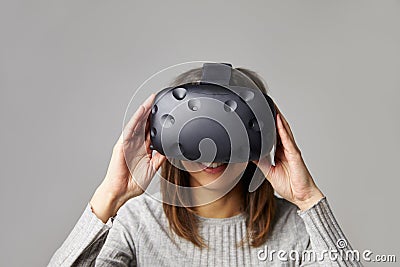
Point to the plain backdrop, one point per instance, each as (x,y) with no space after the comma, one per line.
(69,68)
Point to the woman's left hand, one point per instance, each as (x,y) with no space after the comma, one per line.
(290,177)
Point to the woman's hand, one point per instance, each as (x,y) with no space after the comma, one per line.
(290,177)
(131,155)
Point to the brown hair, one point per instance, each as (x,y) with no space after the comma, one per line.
(258,206)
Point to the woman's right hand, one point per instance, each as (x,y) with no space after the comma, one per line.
(131,156)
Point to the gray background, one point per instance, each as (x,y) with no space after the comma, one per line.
(69,68)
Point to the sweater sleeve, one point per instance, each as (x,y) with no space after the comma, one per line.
(84,242)
(327,241)
(119,248)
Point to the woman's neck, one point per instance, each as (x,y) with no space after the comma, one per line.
(227,206)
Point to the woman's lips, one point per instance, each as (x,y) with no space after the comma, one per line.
(212,170)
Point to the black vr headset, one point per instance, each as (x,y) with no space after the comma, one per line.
(223,117)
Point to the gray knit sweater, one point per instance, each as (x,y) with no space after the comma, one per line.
(140,236)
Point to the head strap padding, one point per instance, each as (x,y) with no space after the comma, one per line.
(216,73)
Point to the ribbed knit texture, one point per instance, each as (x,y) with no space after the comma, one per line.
(140,236)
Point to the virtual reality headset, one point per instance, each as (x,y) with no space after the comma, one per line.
(223,117)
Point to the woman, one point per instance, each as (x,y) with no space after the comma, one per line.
(121,226)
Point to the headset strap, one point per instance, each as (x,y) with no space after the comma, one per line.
(219,73)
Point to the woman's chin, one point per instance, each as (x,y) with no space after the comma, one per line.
(214,182)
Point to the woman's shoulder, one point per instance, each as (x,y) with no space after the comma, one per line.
(287,222)
(145,204)
(286,213)
(141,210)
(284,206)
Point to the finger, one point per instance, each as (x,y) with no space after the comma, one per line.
(157,160)
(149,101)
(147,107)
(147,133)
(148,142)
(279,141)
(289,131)
(287,142)
(141,125)
(285,123)
(120,138)
(133,121)
(147,123)
(138,116)
(287,126)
